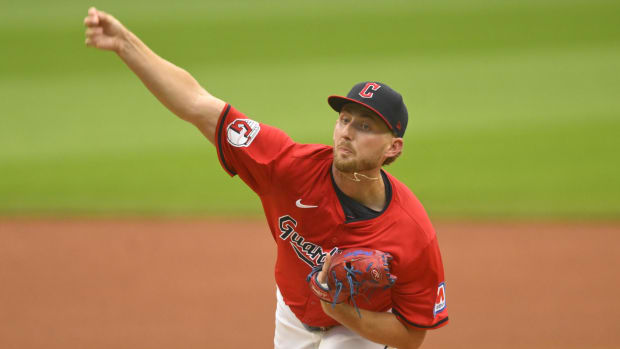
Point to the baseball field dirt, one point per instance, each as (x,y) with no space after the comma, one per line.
(129,283)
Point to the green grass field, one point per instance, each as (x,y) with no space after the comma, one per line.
(514,106)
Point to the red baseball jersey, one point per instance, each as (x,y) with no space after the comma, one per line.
(307,222)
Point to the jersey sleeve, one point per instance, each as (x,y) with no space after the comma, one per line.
(248,148)
(419,296)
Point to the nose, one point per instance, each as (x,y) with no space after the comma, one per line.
(348,131)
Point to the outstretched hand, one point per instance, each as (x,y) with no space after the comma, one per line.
(103,31)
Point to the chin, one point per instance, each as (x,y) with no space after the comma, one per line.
(355,165)
(345,165)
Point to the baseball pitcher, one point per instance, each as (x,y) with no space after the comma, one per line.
(358,263)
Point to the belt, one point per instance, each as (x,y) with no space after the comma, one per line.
(318,328)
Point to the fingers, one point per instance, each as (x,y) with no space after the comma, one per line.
(96,17)
(96,38)
(92,35)
(102,30)
(91,22)
(102,42)
(92,19)
(328,262)
(91,42)
(103,16)
(322,277)
(92,31)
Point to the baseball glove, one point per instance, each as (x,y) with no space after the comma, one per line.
(353,271)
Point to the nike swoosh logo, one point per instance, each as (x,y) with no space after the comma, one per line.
(300,205)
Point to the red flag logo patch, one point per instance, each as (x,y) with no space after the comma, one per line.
(440,302)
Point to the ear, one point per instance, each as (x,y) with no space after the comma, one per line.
(395,147)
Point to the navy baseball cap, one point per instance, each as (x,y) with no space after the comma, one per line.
(381,99)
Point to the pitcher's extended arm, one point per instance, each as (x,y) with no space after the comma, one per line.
(174,87)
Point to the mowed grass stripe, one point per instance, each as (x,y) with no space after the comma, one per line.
(114,112)
(198,38)
(514,108)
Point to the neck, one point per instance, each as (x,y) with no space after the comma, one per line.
(365,187)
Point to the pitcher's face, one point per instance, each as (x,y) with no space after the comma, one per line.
(361,139)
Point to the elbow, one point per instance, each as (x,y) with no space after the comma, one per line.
(203,108)
(192,111)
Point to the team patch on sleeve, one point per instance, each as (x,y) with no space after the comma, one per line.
(440,302)
(241,132)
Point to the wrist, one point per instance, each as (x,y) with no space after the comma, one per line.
(330,309)
(327,307)
(126,42)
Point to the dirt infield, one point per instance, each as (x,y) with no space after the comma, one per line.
(205,284)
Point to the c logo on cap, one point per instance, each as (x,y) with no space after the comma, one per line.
(369,85)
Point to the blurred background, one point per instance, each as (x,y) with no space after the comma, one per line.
(514,120)
(514,105)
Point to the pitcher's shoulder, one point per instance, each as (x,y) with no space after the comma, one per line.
(402,192)
(410,210)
